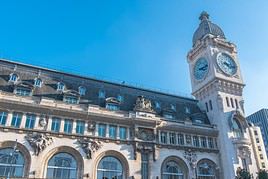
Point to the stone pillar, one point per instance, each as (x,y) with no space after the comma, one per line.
(74,127)
(168,141)
(97,130)
(9,118)
(49,123)
(62,125)
(107,131)
(23,121)
(117,132)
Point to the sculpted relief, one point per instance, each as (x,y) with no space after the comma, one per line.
(38,142)
(89,146)
(143,104)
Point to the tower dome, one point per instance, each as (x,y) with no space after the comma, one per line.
(206,27)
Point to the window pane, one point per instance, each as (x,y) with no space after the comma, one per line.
(68,126)
(102,130)
(11,163)
(62,166)
(80,127)
(123,133)
(30,121)
(112,132)
(16,120)
(109,168)
(55,126)
(3,118)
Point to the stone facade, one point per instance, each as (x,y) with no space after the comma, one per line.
(59,125)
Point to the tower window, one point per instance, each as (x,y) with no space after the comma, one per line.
(207,106)
(13,77)
(163,137)
(232,102)
(210,104)
(82,90)
(227,102)
(38,82)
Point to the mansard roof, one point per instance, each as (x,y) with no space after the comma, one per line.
(185,108)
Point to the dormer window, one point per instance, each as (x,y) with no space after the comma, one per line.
(187,110)
(173,107)
(38,82)
(101,94)
(112,104)
(82,91)
(157,105)
(120,98)
(13,77)
(60,86)
(168,116)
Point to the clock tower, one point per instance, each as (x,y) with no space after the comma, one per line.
(218,85)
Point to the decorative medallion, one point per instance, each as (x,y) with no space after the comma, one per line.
(38,142)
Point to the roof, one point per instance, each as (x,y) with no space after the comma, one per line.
(129,94)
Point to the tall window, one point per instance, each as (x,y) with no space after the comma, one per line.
(237,131)
(109,168)
(13,77)
(144,165)
(11,163)
(30,121)
(206,170)
(210,143)
(112,132)
(102,130)
(80,127)
(163,137)
(23,91)
(206,106)
(16,120)
(38,82)
(62,166)
(123,133)
(55,126)
(210,105)
(82,90)
(180,139)
(172,170)
(203,142)
(68,126)
(232,102)
(236,104)
(196,141)
(3,118)
(172,138)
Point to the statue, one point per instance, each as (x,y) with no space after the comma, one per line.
(89,146)
(143,104)
(38,141)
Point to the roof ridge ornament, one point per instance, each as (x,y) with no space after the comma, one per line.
(204,16)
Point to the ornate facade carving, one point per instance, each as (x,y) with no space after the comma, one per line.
(191,157)
(89,146)
(43,121)
(143,104)
(91,126)
(146,148)
(145,134)
(38,142)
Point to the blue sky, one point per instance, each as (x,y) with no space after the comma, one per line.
(142,42)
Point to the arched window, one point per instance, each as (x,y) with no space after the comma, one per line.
(11,163)
(237,130)
(110,168)
(60,86)
(82,90)
(38,82)
(174,168)
(62,165)
(13,77)
(206,170)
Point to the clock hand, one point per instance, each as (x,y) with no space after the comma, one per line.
(203,68)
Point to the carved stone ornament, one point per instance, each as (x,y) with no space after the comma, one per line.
(191,157)
(89,146)
(146,148)
(145,134)
(91,126)
(38,142)
(244,152)
(43,121)
(143,104)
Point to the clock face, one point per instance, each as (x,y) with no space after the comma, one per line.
(226,64)
(200,68)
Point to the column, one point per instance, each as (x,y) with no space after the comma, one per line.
(36,123)
(117,133)
(74,126)
(97,130)
(9,118)
(61,125)
(168,142)
(49,123)
(107,131)
(23,121)
(127,133)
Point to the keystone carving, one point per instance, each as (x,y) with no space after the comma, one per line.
(38,142)
(191,157)
(89,146)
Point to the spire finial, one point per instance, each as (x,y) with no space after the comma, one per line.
(204,16)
